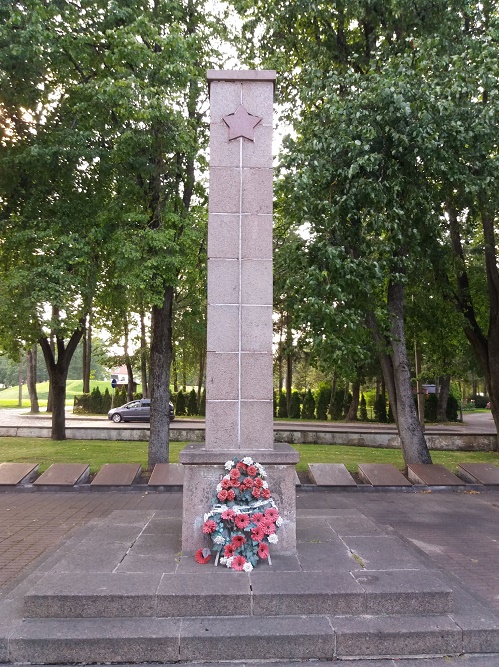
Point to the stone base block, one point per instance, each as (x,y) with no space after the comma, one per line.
(203,469)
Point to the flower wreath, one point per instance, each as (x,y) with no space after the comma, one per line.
(243,520)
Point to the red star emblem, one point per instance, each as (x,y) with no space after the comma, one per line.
(241,124)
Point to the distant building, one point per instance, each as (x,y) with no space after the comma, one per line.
(121,376)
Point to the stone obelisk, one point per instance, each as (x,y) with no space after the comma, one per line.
(239,388)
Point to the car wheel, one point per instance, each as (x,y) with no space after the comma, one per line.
(117,418)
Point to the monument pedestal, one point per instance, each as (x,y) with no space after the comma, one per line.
(204,469)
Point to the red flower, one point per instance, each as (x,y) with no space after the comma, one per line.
(225,483)
(228,515)
(200,558)
(266,493)
(257,517)
(238,541)
(242,521)
(268,527)
(235,473)
(230,495)
(241,466)
(263,550)
(229,550)
(222,495)
(248,483)
(272,514)
(252,471)
(256,492)
(209,526)
(238,562)
(257,534)
(258,482)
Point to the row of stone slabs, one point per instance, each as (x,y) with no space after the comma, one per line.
(170,475)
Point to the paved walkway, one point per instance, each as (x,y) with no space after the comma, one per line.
(458,531)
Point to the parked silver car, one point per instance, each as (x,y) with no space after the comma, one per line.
(138,411)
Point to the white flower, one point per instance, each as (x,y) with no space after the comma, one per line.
(207,516)
(265,485)
(261,470)
(223,560)
(229,465)
(219,539)
(247,567)
(219,487)
(228,561)
(273,539)
(279,522)
(248,460)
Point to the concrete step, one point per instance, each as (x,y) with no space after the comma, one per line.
(231,638)
(112,595)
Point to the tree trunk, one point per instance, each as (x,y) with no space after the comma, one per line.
(419,384)
(443,397)
(289,364)
(354,403)
(161,359)
(87,355)
(58,373)
(333,395)
(143,354)
(175,373)
(31,380)
(50,400)
(202,360)
(385,361)
(128,364)
(412,440)
(20,384)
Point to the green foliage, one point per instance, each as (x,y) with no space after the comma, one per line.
(282,410)
(308,410)
(180,407)
(337,405)
(202,403)
(452,408)
(363,409)
(430,407)
(479,401)
(380,413)
(94,403)
(323,398)
(295,406)
(192,403)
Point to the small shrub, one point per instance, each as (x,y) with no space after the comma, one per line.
(430,407)
(282,410)
(295,407)
(380,409)
(308,410)
(337,405)
(452,409)
(363,409)
(480,401)
(180,405)
(323,396)
(192,403)
(202,403)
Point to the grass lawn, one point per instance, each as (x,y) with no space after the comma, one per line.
(97,452)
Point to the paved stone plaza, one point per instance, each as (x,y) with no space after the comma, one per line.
(451,538)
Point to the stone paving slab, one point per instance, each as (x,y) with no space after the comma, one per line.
(391,636)
(479,473)
(167,474)
(64,474)
(17,473)
(382,552)
(432,474)
(330,474)
(117,474)
(381,474)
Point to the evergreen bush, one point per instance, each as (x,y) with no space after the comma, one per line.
(452,409)
(106,402)
(308,410)
(192,403)
(363,409)
(323,397)
(380,409)
(430,407)
(202,403)
(295,407)
(180,405)
(282,410)
(337,404)
(389,417)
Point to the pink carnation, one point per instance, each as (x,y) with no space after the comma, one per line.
(209,526)
(235,473)
(263,550)
(272,514)
(242,521)
(258,482)
(266,493)
(255,492)
(238,562)
(252,471)
(230,495)
(222,495)
(225,483)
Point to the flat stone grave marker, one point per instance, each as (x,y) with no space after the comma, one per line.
(330,474)
(117,474)
(432,474)
(381,474)
(12,474)
(167,474)
(64,474)
(479,473)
